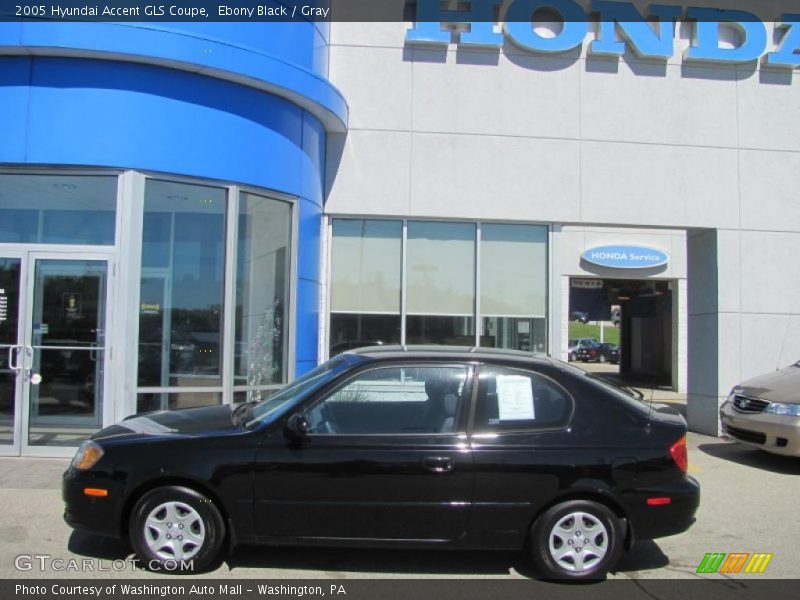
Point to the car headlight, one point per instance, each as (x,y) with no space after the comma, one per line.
(779,408)
(86,457)
(729,399)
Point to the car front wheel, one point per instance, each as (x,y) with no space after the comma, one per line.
(175,528)
(577,539)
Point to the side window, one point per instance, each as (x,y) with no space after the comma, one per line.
(393,400)
(519,400)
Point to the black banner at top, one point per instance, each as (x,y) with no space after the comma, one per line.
(395,10)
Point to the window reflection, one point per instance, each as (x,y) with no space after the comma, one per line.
(164,401)
(58,209)
(183,265)
(262,267)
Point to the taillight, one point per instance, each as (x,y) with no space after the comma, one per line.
(679,455)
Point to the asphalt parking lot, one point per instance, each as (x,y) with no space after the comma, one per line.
(749,504)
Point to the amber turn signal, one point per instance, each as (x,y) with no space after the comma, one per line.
(87,455)
(95,492)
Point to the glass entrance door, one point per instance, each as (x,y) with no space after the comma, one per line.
(66,350)
(11,347)
(54,360)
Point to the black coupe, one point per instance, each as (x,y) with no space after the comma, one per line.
(397,447)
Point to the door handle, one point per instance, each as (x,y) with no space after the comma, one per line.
(14,366)
(438,464)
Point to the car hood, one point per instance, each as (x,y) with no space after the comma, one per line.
(778,386)
(187,421)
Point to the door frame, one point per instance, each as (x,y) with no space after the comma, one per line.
(29,256)
(14,448)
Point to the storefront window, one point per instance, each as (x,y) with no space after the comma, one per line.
(183,265)
(514,286)
(57,209)
(439,267)
(365,283)
(262,291)
(183,348)
(440,280)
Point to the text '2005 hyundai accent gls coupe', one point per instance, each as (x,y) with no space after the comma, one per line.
(397,447)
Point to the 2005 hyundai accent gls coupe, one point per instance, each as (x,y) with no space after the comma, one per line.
(397,447)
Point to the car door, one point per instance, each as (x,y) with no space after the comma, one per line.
(385,457)
(522,450)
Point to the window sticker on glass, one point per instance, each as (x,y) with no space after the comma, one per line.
(514,398)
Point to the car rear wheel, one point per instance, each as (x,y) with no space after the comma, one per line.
(601,358)
(577,539)
(175,528)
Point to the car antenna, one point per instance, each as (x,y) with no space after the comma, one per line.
(652,393)
(783,344)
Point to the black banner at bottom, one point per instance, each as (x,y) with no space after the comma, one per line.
(399,589)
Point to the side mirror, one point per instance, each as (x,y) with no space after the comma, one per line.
(296,428)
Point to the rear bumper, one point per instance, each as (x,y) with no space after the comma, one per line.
(661,520)
(101,516)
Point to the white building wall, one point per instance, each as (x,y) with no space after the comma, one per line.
(587,141)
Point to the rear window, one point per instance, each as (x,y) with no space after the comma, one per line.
(627,397)
(519,400)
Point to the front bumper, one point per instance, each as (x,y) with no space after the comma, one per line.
(774,433)
(101,516)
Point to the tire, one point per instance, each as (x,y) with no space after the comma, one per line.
(601,358)
(559,525)
(572,357)
(200,527)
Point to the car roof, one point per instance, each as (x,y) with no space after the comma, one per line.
(450,352)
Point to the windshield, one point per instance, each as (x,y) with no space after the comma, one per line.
(297,390)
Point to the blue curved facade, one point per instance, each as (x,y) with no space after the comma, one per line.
(240,103)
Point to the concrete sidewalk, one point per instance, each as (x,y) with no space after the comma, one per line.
(749,504)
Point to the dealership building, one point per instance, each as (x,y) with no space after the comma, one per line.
(195,213)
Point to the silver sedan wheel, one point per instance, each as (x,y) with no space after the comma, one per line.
(578,542)
(174,530)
